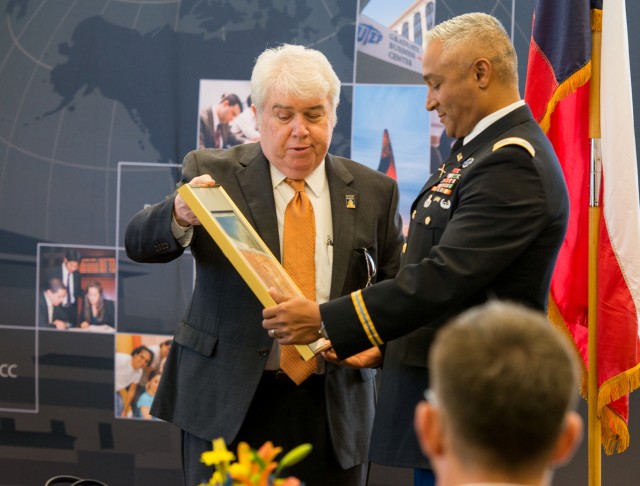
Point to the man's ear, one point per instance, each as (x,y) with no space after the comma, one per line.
(428,429)
(482,72)
(569,439)
(254,108)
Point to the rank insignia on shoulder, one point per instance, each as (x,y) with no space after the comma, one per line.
(515,141)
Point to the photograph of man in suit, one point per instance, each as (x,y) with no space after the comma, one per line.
(224,374)
(51,313)
(214,130)
(488,223)
(68,271)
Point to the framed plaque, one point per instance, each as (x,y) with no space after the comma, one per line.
(244,248)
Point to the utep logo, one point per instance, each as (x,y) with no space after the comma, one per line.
(8,370)
(368,34)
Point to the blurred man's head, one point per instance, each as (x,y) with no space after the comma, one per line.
(55,291)
(141,357)
(229,108)
(504,385)
(72,260)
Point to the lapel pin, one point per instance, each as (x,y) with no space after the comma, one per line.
(427,203)
(467,162)
(350,200)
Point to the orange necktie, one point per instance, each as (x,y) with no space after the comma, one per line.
(299,262)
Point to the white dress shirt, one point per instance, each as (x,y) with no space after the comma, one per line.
(489,119)
(67,280)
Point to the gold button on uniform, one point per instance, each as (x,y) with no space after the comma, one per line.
(404,248)
(427,220)
(413,215)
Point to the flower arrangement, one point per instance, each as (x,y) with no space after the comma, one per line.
(253,467)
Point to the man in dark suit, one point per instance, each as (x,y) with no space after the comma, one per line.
(222,377)
(488,223)
(214,129)
(69,274)
(51,313)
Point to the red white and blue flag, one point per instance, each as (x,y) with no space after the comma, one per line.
(557,90)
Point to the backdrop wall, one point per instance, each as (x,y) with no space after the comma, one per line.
(99,102)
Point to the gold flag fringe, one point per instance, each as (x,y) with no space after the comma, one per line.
(615,432)
(570,85)
(617,436)
(555,318)
(577,79)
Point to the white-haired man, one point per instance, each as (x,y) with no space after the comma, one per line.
(222,377)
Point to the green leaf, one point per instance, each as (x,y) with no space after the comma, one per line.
(294,456)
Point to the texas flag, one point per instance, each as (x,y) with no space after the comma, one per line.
(557,89)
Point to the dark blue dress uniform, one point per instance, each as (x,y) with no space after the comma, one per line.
(488,224)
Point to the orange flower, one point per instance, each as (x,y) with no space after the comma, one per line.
(267,452)
(253,468)
(290,481)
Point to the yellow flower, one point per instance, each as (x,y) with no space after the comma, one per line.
(244,453)
(216,479)
(244,469)
(254,468)
(241,472)
(219,455)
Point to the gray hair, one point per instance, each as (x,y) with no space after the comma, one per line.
(295,71)
(505,378)
(473,35)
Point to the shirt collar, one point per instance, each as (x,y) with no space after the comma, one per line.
(490,119)
(316,180)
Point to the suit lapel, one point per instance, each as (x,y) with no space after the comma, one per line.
(259,199)
(343,220)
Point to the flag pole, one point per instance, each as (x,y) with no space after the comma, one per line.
(593,423)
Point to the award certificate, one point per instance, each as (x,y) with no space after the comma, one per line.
(244,248)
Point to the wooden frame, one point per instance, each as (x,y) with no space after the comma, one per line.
(244,248)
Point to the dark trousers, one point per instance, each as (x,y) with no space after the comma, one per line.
(287,415)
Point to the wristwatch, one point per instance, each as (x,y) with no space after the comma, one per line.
(322,331)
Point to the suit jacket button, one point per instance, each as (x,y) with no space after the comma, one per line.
(264,352)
